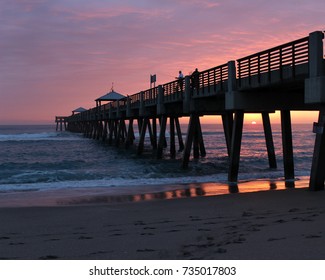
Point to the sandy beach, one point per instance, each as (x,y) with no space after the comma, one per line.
(278,224)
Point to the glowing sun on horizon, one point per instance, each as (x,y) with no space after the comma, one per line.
(254,122)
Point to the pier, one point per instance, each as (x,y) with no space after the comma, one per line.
(60,122)
(284,78)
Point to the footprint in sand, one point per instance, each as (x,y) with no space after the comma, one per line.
(221,251)
(117,234)
(101,253)
(4,237)
(292,210)
(247,214)
(281,221)
(164,222)
(195,218)
(116,230)
(82,237)
(49,257)
(52,239)
(210,223)
(145,228)
(79,228)
(16,243)
(311,236)
(276,239)
(147,233)
(186,254)
(173,230)
(204,229)
(145,250)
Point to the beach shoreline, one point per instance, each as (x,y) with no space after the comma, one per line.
(284,224)
(103,195)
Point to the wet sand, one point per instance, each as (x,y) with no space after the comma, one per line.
(279,224)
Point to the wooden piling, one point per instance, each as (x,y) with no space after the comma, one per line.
(164,141)
(269,139)
(317,174)
(189,141)
(235,146)
(194,137)
(121,133)
(142,135)
(154,133)
(227,122)
(172,137)
(99,130)
(104,136)
(130,134)
(196,144)
(60,121)
(179,135)
(200,138)
(287,146)
(162,138)
(111,131)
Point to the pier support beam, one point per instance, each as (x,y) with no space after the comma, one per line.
(227,122)
(189,141)
(162,139)
(235,146)
(269,139)
(99,130)
(153,133)
(104,136)
(179,135)
(145,123)
(317,174)
(121,133)
(194,136)
(198,145)
(60,121)
(112,131)
(172,137)
(287,146)
(130,134)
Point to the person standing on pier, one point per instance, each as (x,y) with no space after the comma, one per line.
(180,80)
(195,81)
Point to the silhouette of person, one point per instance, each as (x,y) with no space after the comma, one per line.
(195,80)
(180,80)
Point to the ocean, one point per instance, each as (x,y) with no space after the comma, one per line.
(39,158)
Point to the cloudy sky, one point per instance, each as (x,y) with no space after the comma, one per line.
(57,55)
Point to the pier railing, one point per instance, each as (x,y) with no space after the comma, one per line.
(135,100)
(211,81)
(250,69)
(150,96)
(173,91)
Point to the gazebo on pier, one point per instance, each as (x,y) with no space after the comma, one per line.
(110,96)
(78,110)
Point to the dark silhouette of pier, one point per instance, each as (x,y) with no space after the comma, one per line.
(286,78)
(60,122)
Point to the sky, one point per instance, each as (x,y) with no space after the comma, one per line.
(58,55)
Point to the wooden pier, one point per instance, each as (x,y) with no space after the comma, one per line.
(285,78)
(60,122)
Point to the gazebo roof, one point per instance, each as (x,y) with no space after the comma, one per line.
(79,110)
(111,96)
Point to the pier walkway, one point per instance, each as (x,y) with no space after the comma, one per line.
(285,78)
